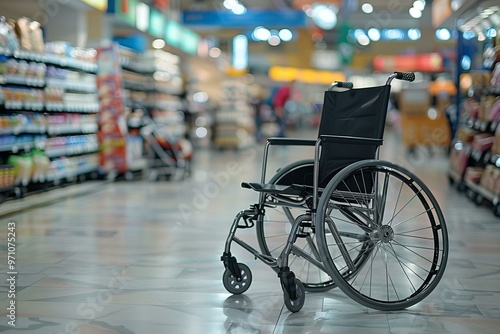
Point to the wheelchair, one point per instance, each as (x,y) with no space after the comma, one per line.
(344,218)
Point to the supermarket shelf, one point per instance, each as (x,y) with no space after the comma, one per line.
(137,165)
(16,147)
(483,192)
(70,85)
(456,177)
(69,173)
(53,152)
(20,80)
(32,201)
(63,129)
(52,59)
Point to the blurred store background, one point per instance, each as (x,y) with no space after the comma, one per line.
(96,88)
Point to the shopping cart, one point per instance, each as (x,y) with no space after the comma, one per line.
(168,152)
(344,218)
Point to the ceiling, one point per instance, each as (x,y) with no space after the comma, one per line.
(386,14)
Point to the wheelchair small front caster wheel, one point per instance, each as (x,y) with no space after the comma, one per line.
(471,194)
(479,199)
(296,304)
(235,286)
(496,210)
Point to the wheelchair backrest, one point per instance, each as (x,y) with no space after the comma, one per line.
(357,112)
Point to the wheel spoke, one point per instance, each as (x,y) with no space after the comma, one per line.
(386,242)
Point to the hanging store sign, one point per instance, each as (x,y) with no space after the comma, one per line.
(285,74)
(251,18)
(156,23)
(431,62)
(125,10)
(101,5)
(112,124)
(142,16)
(181,37)
(240,52)
(152,21)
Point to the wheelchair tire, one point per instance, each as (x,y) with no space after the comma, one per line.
(273,229)
(234,286)
(400,227)
(297,304)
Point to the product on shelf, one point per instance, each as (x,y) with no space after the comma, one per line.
(234,123)
(48,94)
(8,38)
(41,164)
(23,165)
(7,176)
(475,155)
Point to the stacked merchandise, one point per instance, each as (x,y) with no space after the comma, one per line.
(152,85)
(47,100)
(475,155)
(234,126)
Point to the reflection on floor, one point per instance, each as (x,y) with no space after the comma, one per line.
(144,257)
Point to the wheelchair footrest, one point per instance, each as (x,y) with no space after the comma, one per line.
(294,189)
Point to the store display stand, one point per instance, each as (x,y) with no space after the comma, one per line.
(475,153)
(234,126)
(49,119)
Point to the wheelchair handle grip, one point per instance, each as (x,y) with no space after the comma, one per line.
(341,84)
(406,76)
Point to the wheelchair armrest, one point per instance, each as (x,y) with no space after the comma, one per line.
(291,141)
(276,189)
(350,140)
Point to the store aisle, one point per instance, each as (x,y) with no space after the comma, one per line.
(144,257)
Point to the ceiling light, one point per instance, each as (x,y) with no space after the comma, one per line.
(324,17)
(359,32)
(285,35)
(455,4)
(419,4)
(466,62)
(393,34)
(261,34)
(239,9)
(415,13)
(367,8)
(274,40)
(491,33)
(468,34)
(158,44)
(363,40)
(443,34)
(214,52)
(414,34)
(374,34)
(230,4)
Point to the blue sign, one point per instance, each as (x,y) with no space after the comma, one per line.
(251,18)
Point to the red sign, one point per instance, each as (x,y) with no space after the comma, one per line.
(112,125)
(431,62)
(162,4)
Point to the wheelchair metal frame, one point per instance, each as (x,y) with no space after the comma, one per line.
(305,198)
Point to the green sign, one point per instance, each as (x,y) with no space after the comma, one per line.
(156,23)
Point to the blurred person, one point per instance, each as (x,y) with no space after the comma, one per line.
(280,99)
(257,101)
(393,114)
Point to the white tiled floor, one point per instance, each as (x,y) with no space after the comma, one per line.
(144,257)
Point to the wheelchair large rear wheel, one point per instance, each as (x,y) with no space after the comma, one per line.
(381,224)
(273,229)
